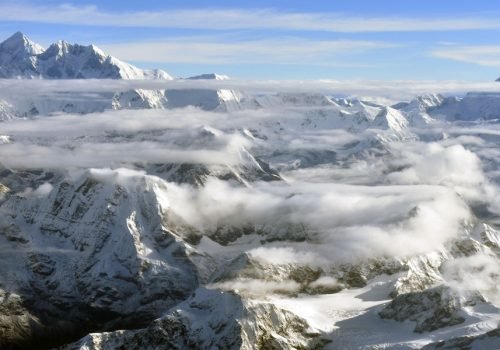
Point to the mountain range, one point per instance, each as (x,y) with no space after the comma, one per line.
(22,58)
(219,219)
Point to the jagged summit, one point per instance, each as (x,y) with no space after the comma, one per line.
(22,58)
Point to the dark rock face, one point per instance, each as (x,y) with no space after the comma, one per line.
(431,309)
(215,325)
(210,319)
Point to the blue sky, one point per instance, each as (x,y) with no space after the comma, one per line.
(356,39)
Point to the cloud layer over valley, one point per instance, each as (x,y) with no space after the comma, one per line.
(283,198)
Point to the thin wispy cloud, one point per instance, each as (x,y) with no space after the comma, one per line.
(210,51)
(483,55)
(223,19)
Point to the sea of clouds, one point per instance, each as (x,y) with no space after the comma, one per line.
(394,199)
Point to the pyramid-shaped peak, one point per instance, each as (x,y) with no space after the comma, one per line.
(17,36)
(19,41)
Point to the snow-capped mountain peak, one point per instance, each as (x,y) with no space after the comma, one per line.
(22,58)
(20,44)
(18,56)
(209,76)
(430,100)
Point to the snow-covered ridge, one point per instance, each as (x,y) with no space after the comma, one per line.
(109,246)
(22,58)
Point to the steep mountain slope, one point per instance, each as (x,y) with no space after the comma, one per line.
(18,57)
(122,254)
(211,319)
(111,262)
